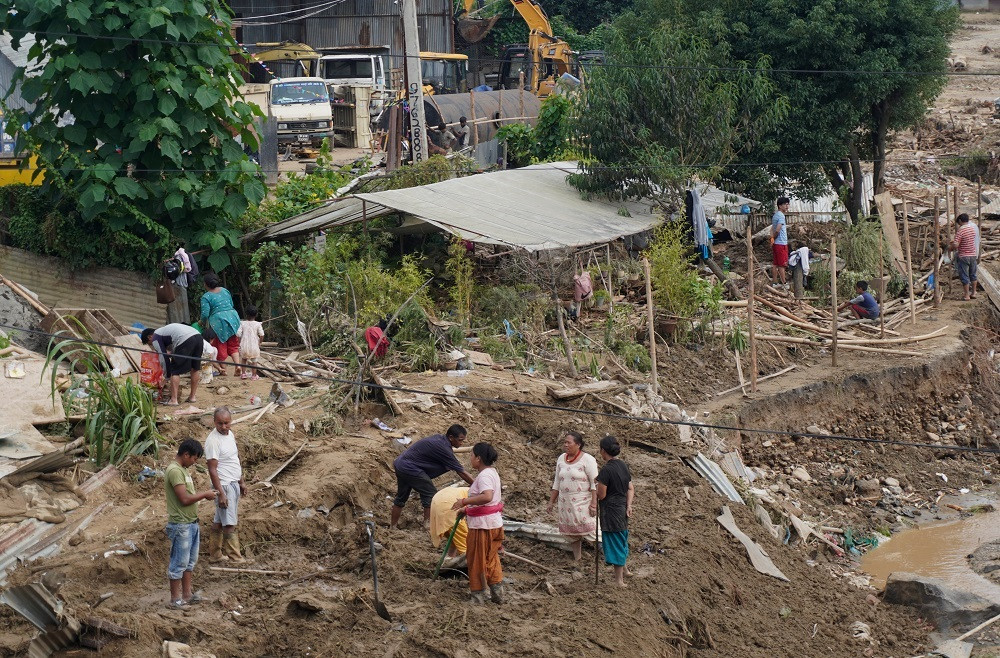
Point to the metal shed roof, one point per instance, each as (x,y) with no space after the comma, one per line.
(532,208)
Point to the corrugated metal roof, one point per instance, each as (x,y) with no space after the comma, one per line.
(532,208)
(45,611)
(129,296)
(349,23)
(711,471)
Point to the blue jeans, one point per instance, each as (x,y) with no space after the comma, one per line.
(185,539)
(966,266)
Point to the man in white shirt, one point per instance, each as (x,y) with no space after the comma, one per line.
(223,459)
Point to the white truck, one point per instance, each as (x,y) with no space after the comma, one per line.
(356,69)
(301,107)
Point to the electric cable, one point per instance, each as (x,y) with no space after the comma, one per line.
(547,407)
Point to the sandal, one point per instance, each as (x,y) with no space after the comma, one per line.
(170,404)
(245,375)
(179,604)
(255,377)
(195,598)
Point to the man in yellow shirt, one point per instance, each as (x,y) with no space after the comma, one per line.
(182,522)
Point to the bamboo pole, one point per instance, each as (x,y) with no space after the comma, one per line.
(909,263)
(472,118)
(520,93)
(881,284)
(937,253)
(750,300)
(649,319)
(844,346)
(979,216)
(833,293)
(771,376)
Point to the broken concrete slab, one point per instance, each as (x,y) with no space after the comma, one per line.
(180,650)
(944,605)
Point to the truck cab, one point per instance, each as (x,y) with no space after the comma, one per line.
(444,73)
(301,107)
(361,69)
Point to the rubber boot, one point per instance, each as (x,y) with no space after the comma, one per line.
(231,547)
(215,547)
(496,593)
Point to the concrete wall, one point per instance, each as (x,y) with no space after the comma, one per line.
(129,296)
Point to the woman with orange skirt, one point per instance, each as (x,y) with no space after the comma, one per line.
(482,509)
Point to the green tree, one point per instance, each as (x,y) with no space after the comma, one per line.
(135,111)
(663,111)
(843,118)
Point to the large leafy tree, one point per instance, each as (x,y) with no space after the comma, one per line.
(852,70)
(663,111)
(135,112)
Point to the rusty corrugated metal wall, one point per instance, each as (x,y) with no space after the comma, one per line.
(350,23)
(129,296)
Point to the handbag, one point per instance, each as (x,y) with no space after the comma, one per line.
(164,292)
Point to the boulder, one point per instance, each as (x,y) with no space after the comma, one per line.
(868,487)
(944,605)
(891,482)
(799,473)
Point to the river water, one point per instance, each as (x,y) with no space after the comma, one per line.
(938,550)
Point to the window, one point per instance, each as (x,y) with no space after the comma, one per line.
(290,93)
(336,69)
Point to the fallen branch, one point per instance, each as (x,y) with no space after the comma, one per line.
(525,560)
(262,572)
(287,462)
(759,379)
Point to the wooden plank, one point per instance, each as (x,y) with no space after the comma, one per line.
(889,229)
(479,358)
(990,285)
(577,391)
(758,558)
(132,342)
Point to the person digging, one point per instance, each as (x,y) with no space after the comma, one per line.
(223,460)
(417,467)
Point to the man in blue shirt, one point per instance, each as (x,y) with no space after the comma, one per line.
(864,305)
(422,462)
(779,243)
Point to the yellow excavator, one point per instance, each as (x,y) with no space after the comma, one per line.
(543,61)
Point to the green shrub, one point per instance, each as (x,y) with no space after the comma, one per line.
(524,306)
(971,165)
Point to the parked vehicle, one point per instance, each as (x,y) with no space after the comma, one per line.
(302,109)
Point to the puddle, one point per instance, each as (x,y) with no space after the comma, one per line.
(938,550)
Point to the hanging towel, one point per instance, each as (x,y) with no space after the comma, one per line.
(185,260)
(800,254)
(702,234)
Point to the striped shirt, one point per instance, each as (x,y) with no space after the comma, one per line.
(966,239)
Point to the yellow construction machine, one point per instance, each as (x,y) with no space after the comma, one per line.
(542,61)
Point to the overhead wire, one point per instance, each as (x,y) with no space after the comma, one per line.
(545,407)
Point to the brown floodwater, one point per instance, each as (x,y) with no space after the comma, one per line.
(938,550)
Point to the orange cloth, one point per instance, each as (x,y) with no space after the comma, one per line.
(483,557)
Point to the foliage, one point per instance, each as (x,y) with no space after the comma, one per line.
(502,349)
(435,169)
(972,165)
(331,289)
(841,119)
(737,339)
(152,92)
(55,228)
(298,194)
(522,305)
(459,268)
(646,130)
(414,339)
(546,141)
(619,337)
(594,38)
(121,414)
(861,247)
(676,285)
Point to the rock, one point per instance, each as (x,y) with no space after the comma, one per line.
(816,429)
(799,473)
(896,491)
(935,600)
(669,411)
(222,390)
(890,482)
(867,487)
(172,649)
(931,436)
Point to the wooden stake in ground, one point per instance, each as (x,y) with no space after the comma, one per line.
(979,215)
(750,300)
(649,319)
(937,252)
(833,293)
(881,283)
(909,263)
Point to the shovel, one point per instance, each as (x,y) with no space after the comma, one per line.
(379,606)
(447,545)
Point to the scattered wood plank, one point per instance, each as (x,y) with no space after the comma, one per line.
(593,387)
(277,472)
(764,378)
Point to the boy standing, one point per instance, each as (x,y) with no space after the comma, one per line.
(182,522)
(779,243)
(223,459)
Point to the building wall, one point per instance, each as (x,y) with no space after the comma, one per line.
(351,23)
(129,296)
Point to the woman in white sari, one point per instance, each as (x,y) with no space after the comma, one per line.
(575,489)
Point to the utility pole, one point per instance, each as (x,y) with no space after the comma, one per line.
(414,83)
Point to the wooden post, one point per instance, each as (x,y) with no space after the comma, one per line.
(649,319)
(937,252)
(472,118)
(947,216)
(611,285)
(520,94)
(833,293)
(979,216)
(909,263)
(750,301)
(881,283)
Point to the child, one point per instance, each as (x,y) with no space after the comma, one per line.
(223,459)
(864,305)
(250,334)
(182,522)
(485,539)
(208,354)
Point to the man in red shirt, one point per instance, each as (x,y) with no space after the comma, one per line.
(966,246)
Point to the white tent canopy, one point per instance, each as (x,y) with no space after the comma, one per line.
(532,208)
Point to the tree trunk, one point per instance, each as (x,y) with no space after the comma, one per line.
(855,199)
(562,325)
(880,118)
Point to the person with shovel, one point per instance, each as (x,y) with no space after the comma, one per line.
(425,460)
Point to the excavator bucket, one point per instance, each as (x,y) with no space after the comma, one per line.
(474,30)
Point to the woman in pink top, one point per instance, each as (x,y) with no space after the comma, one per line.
(482,509)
